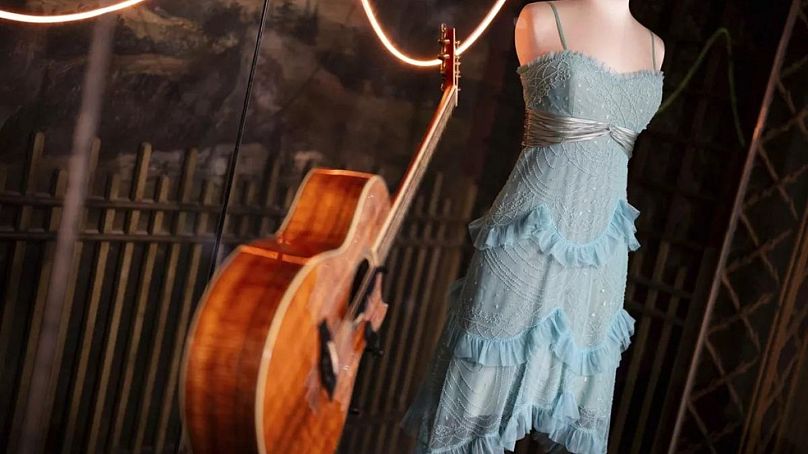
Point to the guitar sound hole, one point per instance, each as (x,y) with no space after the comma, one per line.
(362,271)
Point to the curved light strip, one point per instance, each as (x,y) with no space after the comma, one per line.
(492,13)
(465,45)
(59,18)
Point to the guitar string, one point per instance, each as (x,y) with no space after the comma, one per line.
(439,121)
(360,296)
(444,109)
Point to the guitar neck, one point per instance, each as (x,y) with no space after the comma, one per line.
(411,180)
(450,71)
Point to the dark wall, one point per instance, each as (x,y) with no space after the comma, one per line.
(326,92)
(324,87)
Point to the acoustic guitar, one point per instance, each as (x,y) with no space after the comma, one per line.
(273,349)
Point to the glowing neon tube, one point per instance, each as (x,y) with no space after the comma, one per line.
(60,18)
(465,45)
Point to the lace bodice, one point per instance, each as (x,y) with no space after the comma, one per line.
(571,83)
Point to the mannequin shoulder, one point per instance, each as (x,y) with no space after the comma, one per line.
(535,30)
(536,17)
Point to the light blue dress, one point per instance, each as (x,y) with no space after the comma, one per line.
(536,327)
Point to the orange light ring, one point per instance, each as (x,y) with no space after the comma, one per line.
(61,18)
(465,45)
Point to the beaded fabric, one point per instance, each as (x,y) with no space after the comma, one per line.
(536,327)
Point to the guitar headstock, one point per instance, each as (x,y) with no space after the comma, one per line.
(449,58)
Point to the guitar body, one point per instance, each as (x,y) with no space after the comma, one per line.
(271,355)
(252,374)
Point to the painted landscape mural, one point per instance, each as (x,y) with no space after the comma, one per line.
(324,87)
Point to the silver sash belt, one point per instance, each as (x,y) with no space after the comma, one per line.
(544,128)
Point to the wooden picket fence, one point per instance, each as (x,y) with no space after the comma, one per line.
(139,267)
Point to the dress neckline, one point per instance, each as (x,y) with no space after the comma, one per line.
(598,63)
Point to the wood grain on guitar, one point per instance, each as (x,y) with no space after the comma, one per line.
(272,353)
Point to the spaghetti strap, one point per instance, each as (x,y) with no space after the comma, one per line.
(653,50)
(558,26)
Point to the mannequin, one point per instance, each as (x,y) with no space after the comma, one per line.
(537,324)
(602,29)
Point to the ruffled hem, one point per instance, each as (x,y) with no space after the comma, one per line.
(552,331)
(538,224)
(558,428)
